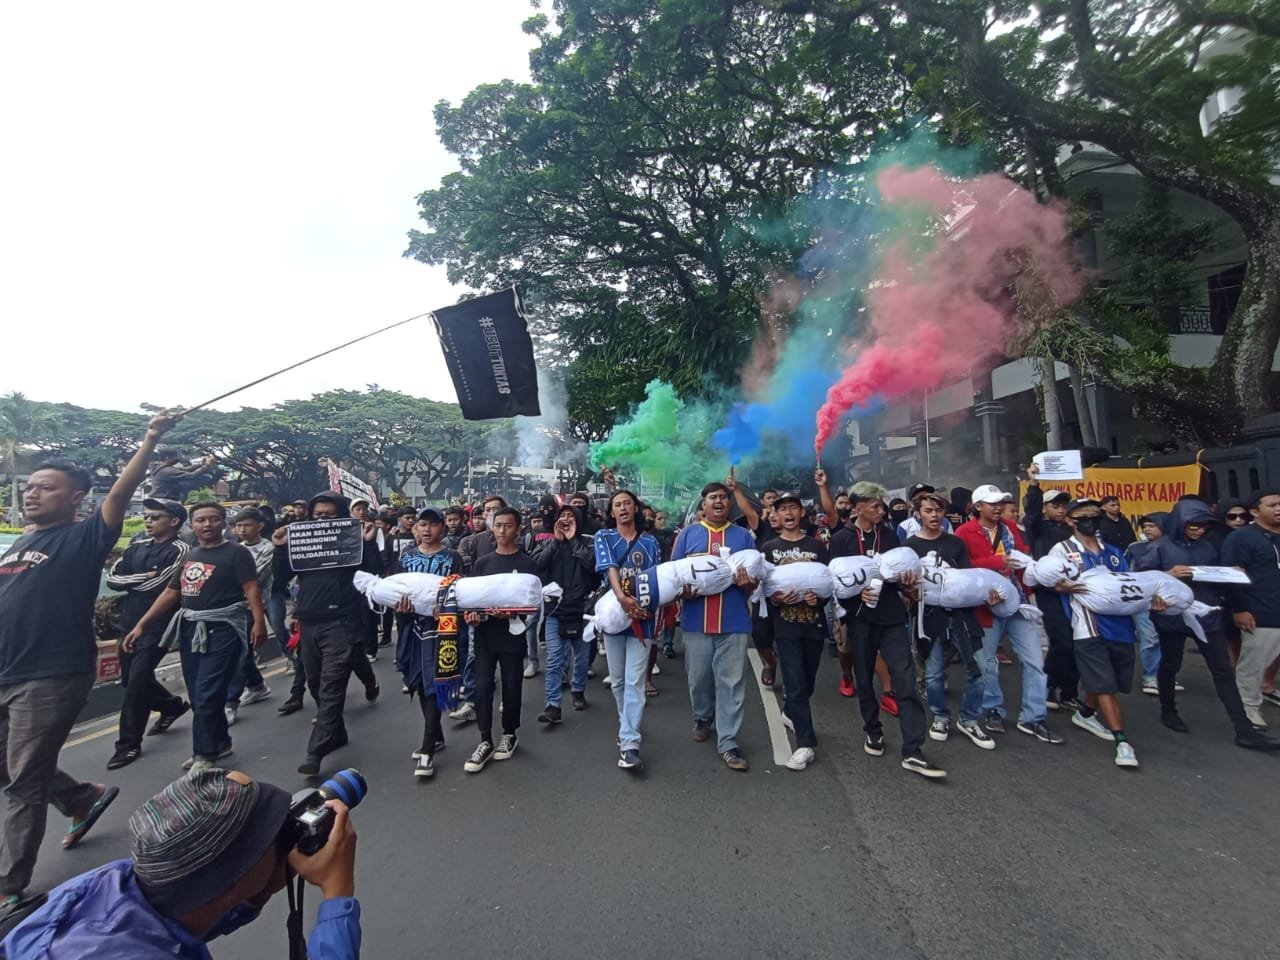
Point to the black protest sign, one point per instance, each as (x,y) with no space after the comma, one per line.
(490,356)
(320,544)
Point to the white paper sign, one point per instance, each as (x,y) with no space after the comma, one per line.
(1059,465)
(1220,575)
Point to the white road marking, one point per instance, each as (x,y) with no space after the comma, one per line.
(772,714)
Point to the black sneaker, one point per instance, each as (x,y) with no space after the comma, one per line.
(734,760)
(916,763)
(1040,730)
(669,652)
(874,744)
(1253,740)
(309,767)
(437,746)
(166,720)
(579,701)
(482,755)
(507,744)
(371,691)
(629,759)
(994,722)
(550,715)
(1172,720)
(292,705)
(124,757)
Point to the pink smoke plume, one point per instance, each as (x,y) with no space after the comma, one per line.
(935,320)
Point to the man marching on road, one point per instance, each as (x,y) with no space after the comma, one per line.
(330,612)
(717,628)
(142,573)
(48,585)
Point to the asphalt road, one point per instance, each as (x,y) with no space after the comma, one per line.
(1027,851)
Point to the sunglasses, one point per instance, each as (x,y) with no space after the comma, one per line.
(157,516)
(1237,516)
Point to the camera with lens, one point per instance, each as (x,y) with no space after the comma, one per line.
(309,822)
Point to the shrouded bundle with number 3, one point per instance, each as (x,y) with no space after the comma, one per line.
(850,575)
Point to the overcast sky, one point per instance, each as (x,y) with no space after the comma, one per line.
(195,195)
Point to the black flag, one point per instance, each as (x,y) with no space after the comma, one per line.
(486,344)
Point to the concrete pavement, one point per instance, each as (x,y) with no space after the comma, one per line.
(1030,850)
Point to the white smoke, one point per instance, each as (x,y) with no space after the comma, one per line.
(544,440)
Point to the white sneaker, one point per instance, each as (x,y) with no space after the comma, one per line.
(656,670)
(975,733)
(800,759)
(1125,757)
(255,696)
(530,670)
(200,766)
(940,729)
(424,767)
(1255,715)
(465,713)
(1093,725)
(231,710)
(608,681)
(1150,688)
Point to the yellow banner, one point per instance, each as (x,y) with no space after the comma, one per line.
(1141,490)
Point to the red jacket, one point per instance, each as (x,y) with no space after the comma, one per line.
(982,554)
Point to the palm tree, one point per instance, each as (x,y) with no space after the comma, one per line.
(22,422)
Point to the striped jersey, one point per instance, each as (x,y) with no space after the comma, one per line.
(727,612)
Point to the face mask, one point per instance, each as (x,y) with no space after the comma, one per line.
(1087,525)
(845,512)
(899,515)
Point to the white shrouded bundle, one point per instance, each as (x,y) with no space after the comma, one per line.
(850,575)
(1050,571)
(961,589)
(751,561)
(504,591)
(1124,594)
(705,575)
(422,589)
(899,561)
(805,576)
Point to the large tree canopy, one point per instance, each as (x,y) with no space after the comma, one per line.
(624,187)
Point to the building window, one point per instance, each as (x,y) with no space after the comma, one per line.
(1224,294)
(1233,484)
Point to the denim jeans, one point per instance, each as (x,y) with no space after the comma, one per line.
(1026,645)
(468,651)
(559,649)
(248,675)
(935,675)
(629,666)
(207,676)
(717,668)
(1148,646)
(532,642)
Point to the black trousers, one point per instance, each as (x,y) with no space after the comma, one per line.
(370,624)
(512,667)
(331,652)
(798,658)
(892,642)
(142,691)
(1060,664)
(1217,659)
(432,731)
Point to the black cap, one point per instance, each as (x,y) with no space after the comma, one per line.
(432,514)
(792,496)
(916,488)
(1075,505)
(172,507)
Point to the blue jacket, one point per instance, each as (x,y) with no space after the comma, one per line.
(103,914)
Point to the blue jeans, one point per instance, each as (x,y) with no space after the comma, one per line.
(1148,646)
(1026,645)
(717,668)
(532,634)
(629,666)
(466,646)
(207,676)
(935,675)
(559,649)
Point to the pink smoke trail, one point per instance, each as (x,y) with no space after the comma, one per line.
(934,321)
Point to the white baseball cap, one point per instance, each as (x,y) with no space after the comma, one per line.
(990,493)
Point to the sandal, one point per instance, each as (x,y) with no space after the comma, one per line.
(16,906)
(80,828)
(767,676)
(650,690)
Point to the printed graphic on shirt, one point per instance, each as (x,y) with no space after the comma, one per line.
(195,574)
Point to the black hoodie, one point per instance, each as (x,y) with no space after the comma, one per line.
(572,564)
(331,594)
(1218,532)
(1174,549)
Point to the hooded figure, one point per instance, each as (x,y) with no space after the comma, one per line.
(1218,532)
(1174,549)
(571,563)
(1140,548)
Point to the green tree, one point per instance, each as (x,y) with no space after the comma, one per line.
(625,187)
(23,423)
(1131,77)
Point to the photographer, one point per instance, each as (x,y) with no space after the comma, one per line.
(207,855)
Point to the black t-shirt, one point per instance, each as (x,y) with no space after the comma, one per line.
(211,577)
(853,541)
(796,619)
(495,634)
(948,546)
(49,581)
